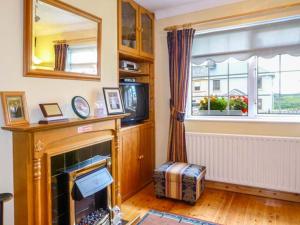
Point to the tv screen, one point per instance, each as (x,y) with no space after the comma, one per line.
(136,101)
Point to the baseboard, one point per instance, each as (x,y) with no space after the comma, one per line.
(293,197)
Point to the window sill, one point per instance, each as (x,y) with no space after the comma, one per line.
(245,119)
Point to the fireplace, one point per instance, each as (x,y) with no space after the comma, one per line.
(43,154)
(81,186)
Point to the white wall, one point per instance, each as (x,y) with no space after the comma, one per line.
(47,90)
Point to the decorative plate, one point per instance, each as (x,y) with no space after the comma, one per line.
(81,107)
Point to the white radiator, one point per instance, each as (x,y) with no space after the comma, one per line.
(265,162)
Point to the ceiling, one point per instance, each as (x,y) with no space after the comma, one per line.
(169,8)
(53,20)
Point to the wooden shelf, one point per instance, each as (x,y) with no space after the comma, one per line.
(130,73)
(131,126)
(133,57)
(72,122)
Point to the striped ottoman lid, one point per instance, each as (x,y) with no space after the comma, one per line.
(171,171)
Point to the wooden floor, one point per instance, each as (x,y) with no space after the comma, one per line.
(220,207)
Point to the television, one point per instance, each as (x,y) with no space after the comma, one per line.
(136,101)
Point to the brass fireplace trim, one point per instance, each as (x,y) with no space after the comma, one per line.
(76,173)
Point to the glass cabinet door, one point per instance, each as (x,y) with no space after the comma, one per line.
(129,24)
(147,29)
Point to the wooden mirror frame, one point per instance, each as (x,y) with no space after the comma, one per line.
(27,54)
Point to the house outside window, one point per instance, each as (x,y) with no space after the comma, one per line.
(248,81)
(259,104)
(216,85)
(259,83)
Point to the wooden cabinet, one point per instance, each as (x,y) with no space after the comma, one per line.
(137,150)
(136,29)
(137,142)
(130,162)
(146,35)
(146,154)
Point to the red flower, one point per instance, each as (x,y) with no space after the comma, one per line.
(245,110)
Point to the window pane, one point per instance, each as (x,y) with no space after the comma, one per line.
(213,106)
(289,104)
(238,85)
(237,67)
(199,71)
(289,63)
(238,105)
(200,87)
(269,89)
(196,105)
(218,68)
(268,65)
(82,59)
(218,85)
(290,83)
(289,99)
(83,55)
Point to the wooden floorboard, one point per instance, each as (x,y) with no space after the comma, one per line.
(219,206)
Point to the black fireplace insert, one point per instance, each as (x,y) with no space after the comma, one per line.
(81,193)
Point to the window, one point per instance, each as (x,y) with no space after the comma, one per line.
(281,94)
(216,85)
(259,82)
(259,76)
(82,59)
(259,104)
(224,88)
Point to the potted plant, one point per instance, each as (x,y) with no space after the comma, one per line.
(217,106)
(238,105)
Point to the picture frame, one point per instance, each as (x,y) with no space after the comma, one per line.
(113,101)
(51,110)
(14,108)
(81,107)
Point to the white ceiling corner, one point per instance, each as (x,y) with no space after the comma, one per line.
(169,8)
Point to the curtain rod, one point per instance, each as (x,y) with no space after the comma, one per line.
(75,40)
(190,25)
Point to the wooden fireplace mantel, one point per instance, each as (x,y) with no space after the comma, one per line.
(72,122)
(33,147)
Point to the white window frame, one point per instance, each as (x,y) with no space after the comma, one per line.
(253,115)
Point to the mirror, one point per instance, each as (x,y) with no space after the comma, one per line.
(61,41)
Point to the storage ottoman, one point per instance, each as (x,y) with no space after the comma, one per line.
(180,181)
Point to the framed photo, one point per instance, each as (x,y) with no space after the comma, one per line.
(14,108)
(81,107)
(113,100)
(51,110)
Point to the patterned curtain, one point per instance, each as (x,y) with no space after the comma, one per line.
(61,50)
(180,47)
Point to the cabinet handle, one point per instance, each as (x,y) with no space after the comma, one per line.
(140,157)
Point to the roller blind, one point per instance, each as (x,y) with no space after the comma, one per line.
(265,39)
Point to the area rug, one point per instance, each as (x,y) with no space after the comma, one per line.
(161,218)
